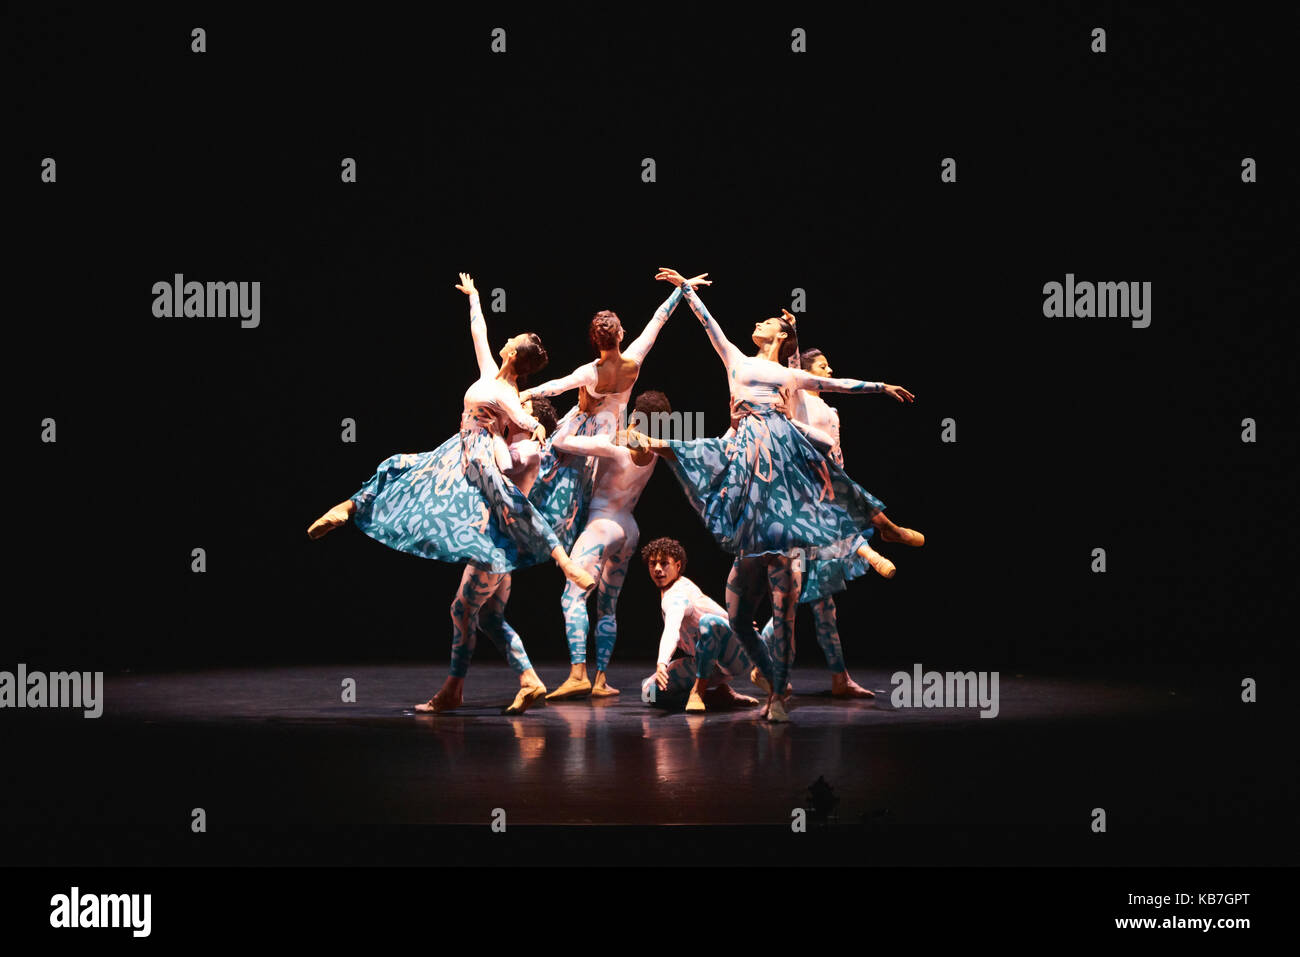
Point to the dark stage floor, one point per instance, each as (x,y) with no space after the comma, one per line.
(287,773)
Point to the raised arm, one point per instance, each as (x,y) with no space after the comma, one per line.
(723,346)
(639,349)
(584,375)
(487,364)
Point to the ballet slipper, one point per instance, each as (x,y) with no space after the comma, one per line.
(438,704)
(776,712)
(882,565)
(572,688)
(331,520)
(695,704)
(528,696)
(910,536)
(601,688)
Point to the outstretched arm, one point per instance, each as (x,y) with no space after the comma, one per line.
(639,349)
(806,380)
(487,365)
(600,446)
(584,375)
(727,352)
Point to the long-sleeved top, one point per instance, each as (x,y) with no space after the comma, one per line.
(821,423)
(619,480)
(587,376)
(763,382)
(491,402)
(682,604)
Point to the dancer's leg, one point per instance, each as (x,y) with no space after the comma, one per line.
(828,637)
(613,573)
(476,587)
(745,586)
(718,655)
(784,579)
(332,519)
(492,622)
(589,553)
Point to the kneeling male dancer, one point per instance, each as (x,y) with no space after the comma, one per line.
(697,648)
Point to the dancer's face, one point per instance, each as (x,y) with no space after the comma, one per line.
(512,345)
(821,367)
(766,331)
(664,570)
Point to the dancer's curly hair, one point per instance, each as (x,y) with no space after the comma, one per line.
(808,357)
(667,547)
(604,329)
(530,357)
(544,413)
(650,402)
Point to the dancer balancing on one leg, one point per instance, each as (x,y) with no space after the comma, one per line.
(698,651)
(563,489)
(456,503)
(765,490)
(825,575)
(606,545)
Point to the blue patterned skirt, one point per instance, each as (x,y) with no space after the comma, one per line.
(767,489)
(454,505)
(562,491)
(829,570)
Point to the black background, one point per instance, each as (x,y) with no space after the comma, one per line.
(775,171)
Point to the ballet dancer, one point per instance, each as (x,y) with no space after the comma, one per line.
(456,503)
(766,490)
(606,546)
(563,490)
(698,651)
(824,576)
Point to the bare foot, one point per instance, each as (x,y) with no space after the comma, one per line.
(601,688)
(332,519)
(449,697)
(572,688)
(724,696)
(842,686)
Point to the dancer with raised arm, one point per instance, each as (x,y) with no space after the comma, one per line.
(765,490)
(698,651)
(823,574)
(563,489)
(606,545)
(457,503)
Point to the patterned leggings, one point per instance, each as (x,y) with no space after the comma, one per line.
(828,633)
(604,549)
(718,655)
(481,604)
(749,578)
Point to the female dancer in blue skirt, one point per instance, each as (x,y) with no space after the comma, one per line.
(823,573)
(458,504)
(765,490)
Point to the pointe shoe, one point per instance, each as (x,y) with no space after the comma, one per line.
(572,688)
(528,696)
(910,536)
(328,522)
(882,565)
(776,712)
(695,704)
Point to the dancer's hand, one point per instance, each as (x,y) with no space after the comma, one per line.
(466,285)
(526,396)
(677,279)
(789,316)
(899,393)
(638,440)
(539,434)
(661,677)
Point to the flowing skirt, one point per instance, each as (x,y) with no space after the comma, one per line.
(828,570)
(562,491)
(454,505)
(766,489)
